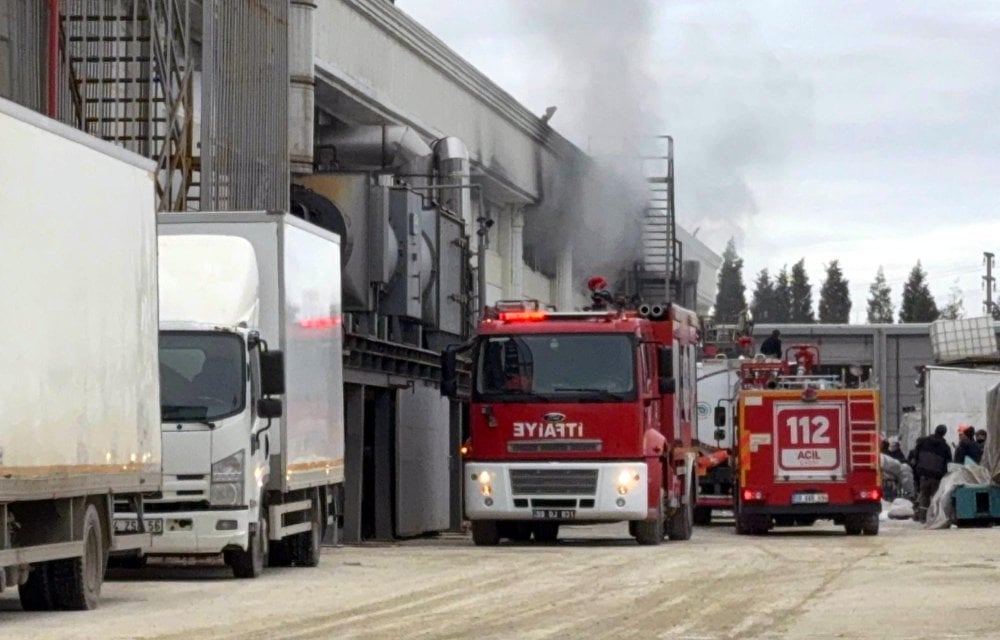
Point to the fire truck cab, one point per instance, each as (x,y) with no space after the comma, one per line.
(579,417)
(807,447)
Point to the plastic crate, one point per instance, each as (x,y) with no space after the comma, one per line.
(961,339)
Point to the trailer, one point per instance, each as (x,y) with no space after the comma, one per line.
(80,396)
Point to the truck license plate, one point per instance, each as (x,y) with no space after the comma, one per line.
(553,514)
(131,525)
(810,498)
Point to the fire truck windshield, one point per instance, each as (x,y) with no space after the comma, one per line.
(556,367)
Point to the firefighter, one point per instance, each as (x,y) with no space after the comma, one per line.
(933,456)
(772,346)
(967,447)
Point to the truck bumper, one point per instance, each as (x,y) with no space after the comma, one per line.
(586,491)
(819,510)
(199,532)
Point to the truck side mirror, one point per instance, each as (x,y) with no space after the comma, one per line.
(272,373)
(269,408)
(720,417)
(449,372)
(665,363)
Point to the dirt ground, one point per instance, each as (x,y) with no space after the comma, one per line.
(595,583)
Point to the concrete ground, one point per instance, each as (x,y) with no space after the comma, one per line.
(595,583)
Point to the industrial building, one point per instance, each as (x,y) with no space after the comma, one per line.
(352,115)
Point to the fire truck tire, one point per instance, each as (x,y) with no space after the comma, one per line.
(546,532)
(870,526)
(485,533)
(516,531)
(703,516)
(681,522)
(853,525)
(650,532)
(752,525)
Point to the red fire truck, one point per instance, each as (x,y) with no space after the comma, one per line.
(579,417)
(807,447)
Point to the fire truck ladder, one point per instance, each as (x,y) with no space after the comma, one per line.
(658,275)
(862,433)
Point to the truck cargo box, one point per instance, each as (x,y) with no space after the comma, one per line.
(79,388)
(954,396)
(300,313)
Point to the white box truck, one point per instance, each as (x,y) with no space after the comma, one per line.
(954,396)
(79,391)
(252,389)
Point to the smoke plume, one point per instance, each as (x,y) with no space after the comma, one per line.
(599,50)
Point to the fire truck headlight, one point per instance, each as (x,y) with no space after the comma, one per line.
(627,479)
(485,483)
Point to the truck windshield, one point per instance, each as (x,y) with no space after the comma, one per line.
(202,375)
(556,367)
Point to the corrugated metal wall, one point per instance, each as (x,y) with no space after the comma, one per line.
(22,52)
(244,110)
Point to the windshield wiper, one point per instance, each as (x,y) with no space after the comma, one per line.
(174,412)
(604,393)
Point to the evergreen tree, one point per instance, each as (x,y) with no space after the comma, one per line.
(880,300)
(782,297)
(732,295)
(834,297)
(801,309)
(763,305)
(918,303)
(955,308)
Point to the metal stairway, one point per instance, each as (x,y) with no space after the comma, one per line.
(130,72)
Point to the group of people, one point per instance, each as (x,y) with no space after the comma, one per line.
(930,457)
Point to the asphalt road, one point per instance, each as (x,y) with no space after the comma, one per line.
(594,583)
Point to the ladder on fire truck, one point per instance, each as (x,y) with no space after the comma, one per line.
(657,277)
(862,432)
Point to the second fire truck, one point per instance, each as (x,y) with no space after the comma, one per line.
(807,447)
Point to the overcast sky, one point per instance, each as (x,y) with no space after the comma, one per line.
(867,132)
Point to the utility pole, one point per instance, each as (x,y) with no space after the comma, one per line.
(988,280)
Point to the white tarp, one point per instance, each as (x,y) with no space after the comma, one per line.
(901,474)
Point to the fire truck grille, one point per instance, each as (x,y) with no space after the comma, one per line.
(553,481)
(549,446)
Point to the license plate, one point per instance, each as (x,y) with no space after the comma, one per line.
(153,525)
(553,514)
(810,498)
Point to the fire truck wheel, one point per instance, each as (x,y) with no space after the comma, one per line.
(651,531)
(546,532)
(853,525)
(485,533)
(517,531)
(870,526)
(681,522)
(702,516)
(752,525)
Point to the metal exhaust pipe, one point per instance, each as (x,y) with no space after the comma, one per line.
(656,312)
(644,310)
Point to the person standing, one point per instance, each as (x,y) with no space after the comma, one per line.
(772,346)
(933,456)
(967,447)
